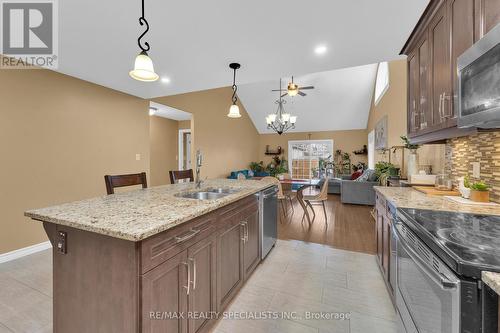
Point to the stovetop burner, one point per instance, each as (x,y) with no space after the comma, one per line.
(470,242)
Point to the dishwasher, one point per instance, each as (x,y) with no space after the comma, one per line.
(268,219)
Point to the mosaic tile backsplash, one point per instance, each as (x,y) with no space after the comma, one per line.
(483,147)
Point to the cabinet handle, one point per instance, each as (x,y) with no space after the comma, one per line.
(190,235)
(441,107)
(244,224)
(188,287)
(446,114)
(246,231)
(194,272)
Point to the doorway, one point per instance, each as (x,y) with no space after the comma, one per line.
(184,149)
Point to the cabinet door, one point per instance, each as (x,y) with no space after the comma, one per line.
(461,17)
(424,107)
(229,259)
(251,253)
(202,296)
(439,36)
(164,291)
(413,93)
(379,232)
(487,16)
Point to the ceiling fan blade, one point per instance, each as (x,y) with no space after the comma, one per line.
(308,87)
(278,90)
(284,94)
(302,94)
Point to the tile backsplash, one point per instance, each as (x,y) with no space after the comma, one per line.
(484,148)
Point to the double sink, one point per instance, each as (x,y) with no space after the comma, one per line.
(207,194)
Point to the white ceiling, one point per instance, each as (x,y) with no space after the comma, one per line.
(192,42)
(340,101)
(169,112)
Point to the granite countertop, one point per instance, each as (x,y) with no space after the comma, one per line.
(139,214)
(492,280)
(407,197)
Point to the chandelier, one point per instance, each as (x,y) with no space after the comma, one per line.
(280,121)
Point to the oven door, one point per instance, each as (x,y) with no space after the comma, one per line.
(428,293)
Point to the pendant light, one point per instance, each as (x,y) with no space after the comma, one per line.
(143,66)
(234,110)
(280,121)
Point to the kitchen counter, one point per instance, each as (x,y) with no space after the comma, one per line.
(492,280)
(139,214)
(407,197)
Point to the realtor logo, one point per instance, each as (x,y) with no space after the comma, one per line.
(29,34)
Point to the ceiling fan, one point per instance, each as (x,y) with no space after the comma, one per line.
(294,89)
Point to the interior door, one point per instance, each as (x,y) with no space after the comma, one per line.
(202,298)
(229,259)
(461,17)
(439,35)
(164,291)
(251,253)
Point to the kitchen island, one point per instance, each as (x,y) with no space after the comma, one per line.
(152,260)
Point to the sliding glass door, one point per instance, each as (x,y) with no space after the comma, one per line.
(304,157)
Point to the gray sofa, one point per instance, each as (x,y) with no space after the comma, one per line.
(357,192)
(334,184)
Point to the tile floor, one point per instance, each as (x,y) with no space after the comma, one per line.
(297,277)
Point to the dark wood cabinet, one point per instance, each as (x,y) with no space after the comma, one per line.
(251,250)
(229,258)
(446,29)
(384,244)
(164,291)
(202,298)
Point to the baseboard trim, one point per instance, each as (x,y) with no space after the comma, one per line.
(16,254)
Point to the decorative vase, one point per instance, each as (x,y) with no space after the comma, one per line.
(480,196)
(464,191)
(412,164)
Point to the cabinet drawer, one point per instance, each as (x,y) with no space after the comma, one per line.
(159,248)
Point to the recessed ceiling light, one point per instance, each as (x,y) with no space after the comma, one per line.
(165,79)
(320,49)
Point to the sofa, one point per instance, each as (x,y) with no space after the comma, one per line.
(247,173)
(334,183)
(358,192)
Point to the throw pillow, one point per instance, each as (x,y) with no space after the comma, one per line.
(366,176)
(356,175)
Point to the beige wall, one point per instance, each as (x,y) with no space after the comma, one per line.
(59,136)
(347,141)
(163,141)
(184,124)
(394,105)
(227,144)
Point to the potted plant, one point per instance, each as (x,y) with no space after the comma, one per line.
(385,170)
(479,192)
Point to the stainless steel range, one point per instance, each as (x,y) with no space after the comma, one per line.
(440,256)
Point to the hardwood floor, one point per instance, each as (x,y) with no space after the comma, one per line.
(350,227)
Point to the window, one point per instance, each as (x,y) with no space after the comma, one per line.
(304,157)
(382,81)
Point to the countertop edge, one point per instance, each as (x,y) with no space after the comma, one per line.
(137,237)
(492,280)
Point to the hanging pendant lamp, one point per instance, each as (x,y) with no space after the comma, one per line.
(143,66)
(234,110)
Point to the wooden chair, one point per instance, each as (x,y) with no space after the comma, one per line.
(303,204)
(288,189)
(320,198)
(176,175)
(281,196)
(113,182)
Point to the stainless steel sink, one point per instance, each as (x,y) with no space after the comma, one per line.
(208,194)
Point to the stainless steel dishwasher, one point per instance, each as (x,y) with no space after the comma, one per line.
(268,219)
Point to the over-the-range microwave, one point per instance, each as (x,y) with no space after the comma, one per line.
(479,83)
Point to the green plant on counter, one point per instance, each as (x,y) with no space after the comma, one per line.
(384,170)
(407,143)
(479,186)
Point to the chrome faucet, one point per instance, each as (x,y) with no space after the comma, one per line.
(199,160)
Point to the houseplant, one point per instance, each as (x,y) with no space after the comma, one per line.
(384,170)
(479,192)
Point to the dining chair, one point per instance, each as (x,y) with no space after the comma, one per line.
(115,181)
(303,204)
(321,198)
(176,175)
(281,197)
(288,189)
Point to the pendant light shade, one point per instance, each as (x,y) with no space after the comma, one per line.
(234,110)
(143,68)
